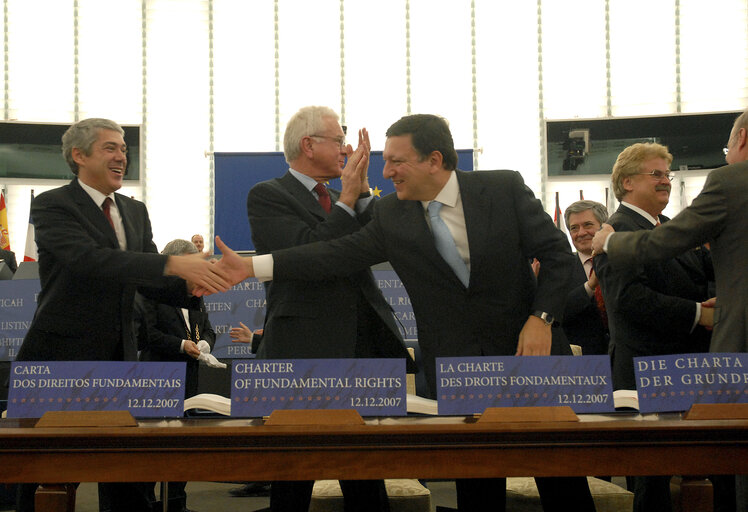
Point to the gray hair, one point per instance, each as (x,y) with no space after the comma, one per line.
(307,121)
(598,210)
(82,135)
(740,122)
(179,247)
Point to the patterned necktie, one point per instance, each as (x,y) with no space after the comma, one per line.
(105,208)
(600,302)
(445,244)
(323,196)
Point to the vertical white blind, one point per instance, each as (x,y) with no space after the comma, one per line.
(244,75)
(574,62)
(110,70)
(642,57)
(177,109)
(713,55)
(40,60)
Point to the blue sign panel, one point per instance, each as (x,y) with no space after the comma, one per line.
(468,385)
(675,382)
(17,307)
(395,294)
(244,302)
(374,387)
(145,389)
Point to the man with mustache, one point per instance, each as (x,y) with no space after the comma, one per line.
(654,308)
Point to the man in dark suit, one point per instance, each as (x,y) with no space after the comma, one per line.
(337,317)
(654,308)
(178,334)
(9,257)
(717,216)
(90,268)
(583,320)
(498,227)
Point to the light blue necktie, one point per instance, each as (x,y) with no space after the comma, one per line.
(445,244)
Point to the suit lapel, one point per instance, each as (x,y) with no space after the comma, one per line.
(304,196)
(640,221)
(129,222)
(476,205)
(93,213)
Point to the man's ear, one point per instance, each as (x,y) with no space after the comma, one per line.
(306,147)
(742,139)
(77,155)
(436,159)
(627,183)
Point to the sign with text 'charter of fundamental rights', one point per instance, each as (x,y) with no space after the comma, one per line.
(374,387)
(675,382)
(145,389)
(468,385)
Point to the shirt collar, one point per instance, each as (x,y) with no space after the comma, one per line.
(449,194)
(305,180)
(97,196)
(641,212)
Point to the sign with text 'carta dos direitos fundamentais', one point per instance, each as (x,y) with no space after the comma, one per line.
(145,389)
(468,385)
(675,382)
(374,387)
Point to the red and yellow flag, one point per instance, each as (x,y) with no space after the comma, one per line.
(4,237)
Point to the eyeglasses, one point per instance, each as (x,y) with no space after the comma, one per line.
(658,175)
(340,141)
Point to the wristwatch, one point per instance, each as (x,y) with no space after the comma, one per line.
(364,195)
(545,317)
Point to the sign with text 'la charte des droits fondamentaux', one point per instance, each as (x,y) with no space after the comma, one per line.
(373,387)
(145,389)
(468,385)
(675,382)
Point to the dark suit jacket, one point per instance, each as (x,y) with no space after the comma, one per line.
(582,322)
(10,259)
(322,319)
(652,307)
(165,329)
(84,308)
(506,228)
(716,215)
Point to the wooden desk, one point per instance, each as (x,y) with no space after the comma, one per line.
(430,448)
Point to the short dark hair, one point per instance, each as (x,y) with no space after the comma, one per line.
(429,133)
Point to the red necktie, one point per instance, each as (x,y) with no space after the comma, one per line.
(600,302)
(105,208)
(323,196)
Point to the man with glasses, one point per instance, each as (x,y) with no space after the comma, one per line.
(653,308)
(718,216)
(332,318)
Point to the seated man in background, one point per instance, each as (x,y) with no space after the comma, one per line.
(583,320)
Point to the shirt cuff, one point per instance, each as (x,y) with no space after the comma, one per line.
(346,208)
(263,265)
(607,241)
(698,315)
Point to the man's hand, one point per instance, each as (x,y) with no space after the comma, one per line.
(707,313)
(592,282)
(355,175)
(231,266)
(241,334)
(190,348)
(198,272)
(598,241)
(534,338)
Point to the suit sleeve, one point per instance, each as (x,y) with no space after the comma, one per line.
(542,240)
(578,303)
(160,321)
(278,220)
(65,232)
(626,289)
(695,225)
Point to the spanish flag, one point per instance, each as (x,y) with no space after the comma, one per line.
(4,238)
